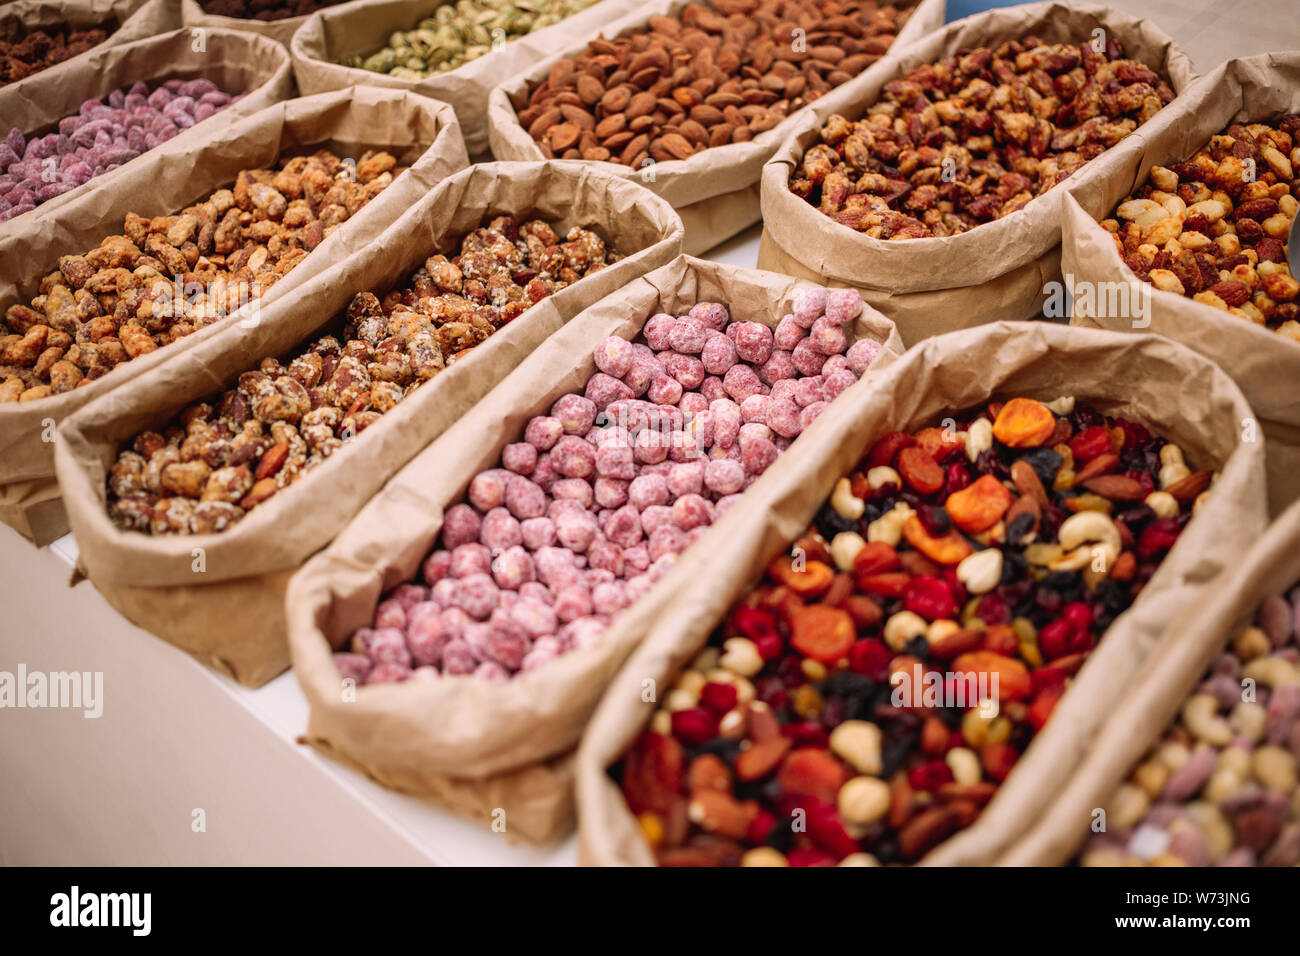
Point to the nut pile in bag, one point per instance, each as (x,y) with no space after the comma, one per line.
(166,277)
(866,699)
(39,49)
(975,137)
(604,492)
(220,460)
(1220,788)
(1215,228)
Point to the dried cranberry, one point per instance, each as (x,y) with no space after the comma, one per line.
(1135,435)
(826,830)
(769,646)
(988,463)
(929,597)
(753,622)
(1054,639)
(992,609)
(929,776)
(1077,614)
(1085,416)
(718,697)
(761,826)
(1143,478)
(809,856)
(694,724)
(790,670)
(768,687)
(1089,443)
(1157,538)
(870,657)
(956,478)
(806,733)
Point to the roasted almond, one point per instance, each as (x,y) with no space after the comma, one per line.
(1115,487)
(1191,486)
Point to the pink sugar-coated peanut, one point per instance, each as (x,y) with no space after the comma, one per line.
(827,337)
(624,526)
(664,389)
(608,598)
(686,479)
(353,667)
(806,359)
(388,646)
(809,305)
(834,363)
(491,671)
(668,539)
(741,381)
(647,490)
(487,490)
(808,390)
(388,674)
(757,454)
(586,632)
(712,388)
(457,658)
(507,643)
(836,383)
(700,429)
(778,368)
(862,353)
(594,576)
(687,335)
(560,506)
(575,413)
(543,474)
(508,597)
(724,476)
(446,592)
(519,457)
(500,530)
(727,420)
(784,389)
(809,414)
(753,342)
(718,354)
(478,595)
(611,492)
(572,603)
(573,489)
(602,390)
(470,558)
(643,371)
(536,591)
(524,497)
(657,330)
(788,334)
(712,314)
(651,447)
(576,531)
(615,460)
(606,556)
(408,595)
(636,558)
(723,505)
(692,511)
(513,567)
(390,614)
(535,618)
(783,418)
(425,639)
(537,533)
(688,370)
(543,431)
(360,642)
(655,517)
(555,567)
(692,403)
(613,356)
(754,408)
(843,305)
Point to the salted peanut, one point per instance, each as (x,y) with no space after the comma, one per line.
(1166,281)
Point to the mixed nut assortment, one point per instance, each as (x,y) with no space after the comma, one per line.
(166,277)
(714,74)
(38,49)
(460,32)
(264,9)
(984,557)
(1215,228)
(1220,787)
(101,136)
(976,136)
(223,458)
(601,495)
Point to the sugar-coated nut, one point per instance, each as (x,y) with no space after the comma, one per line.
(657,329)
(807,359)
(460,526)
(688,478)
(537,533)
(574,413)
(724,476)
(727,421)
(843,305)
(692,511)
(613,356)
(487,489)
(827,337)
(519,457)
(687,336)
(753,341)
(467,559)
(783,418)
(777,369)
(542,432)
(573,489)
(647,490)
(602,390)
(810,304)
(499,530)
(789,333)
(741,381)
(757,453)
(655,517)
(837,382)
(624,527)
(859,743)
(573,458)
(523,497)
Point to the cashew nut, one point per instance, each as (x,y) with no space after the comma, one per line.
(1080,534)
(1249,720)
(845,547)
(1127,807)
(979,437)
(964,764)
(888,528)
(739,654)
(863,800)
(858,743)
(763,856)
(1272,672)
(1162,503)
(844,502)
(1275,768)
(1201,717)
(980,572)
(883,475)
(859,859)
(1171,454)
(1063,406)
(1173,473)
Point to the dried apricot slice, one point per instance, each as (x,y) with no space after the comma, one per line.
(875,558)
(1024,423)
(883,451)
(980,506)
(813,772)
(920,470)
(945,549)
(1013,680)
(940,442)
(822,632)
(1090,443)
(814,578)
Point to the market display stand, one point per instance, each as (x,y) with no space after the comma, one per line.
(185,766)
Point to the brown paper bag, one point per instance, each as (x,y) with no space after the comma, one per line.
(155,581)
(422,132)
(716,190)
(997,270)
(280,31)
(364,27)
(1139,377)
(422,733)
(1265,364)
(1175,668)
(238,63)
(124,20)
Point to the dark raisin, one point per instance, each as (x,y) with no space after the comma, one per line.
(935,519)
(1045,462)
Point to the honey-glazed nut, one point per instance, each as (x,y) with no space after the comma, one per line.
(184,479)
(172,516)
(228,484)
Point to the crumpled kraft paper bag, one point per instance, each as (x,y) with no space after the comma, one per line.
(716,190)
(153,580)
(1265,364)
(996,270)
(423,733)
(133,19)
(423,132)
(280,31)
(1135,376)
(236,62)
(1173,672)
(364,26)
